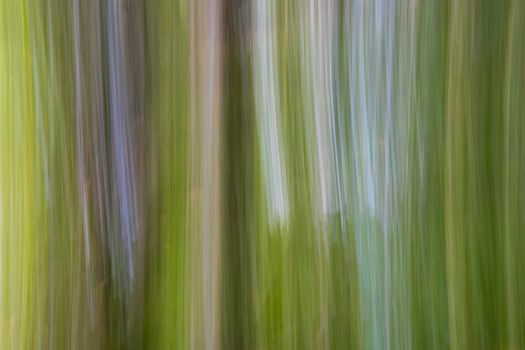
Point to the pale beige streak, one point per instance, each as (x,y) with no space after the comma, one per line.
(205,168)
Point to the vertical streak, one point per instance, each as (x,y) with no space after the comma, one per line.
(206,158)
(266,91)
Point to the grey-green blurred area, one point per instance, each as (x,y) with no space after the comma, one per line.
(262,174)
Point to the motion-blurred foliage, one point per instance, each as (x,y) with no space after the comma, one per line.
(262,174)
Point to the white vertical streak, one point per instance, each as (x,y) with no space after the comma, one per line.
(267,111)
(321,67)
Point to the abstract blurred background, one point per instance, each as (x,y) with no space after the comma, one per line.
(262,174)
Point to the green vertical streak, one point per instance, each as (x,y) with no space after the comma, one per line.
(61,314)
(512,171)
(475,254)
(18,186)
(423,216)
(238,250)
(300,243)
(167,95)
(287,251)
